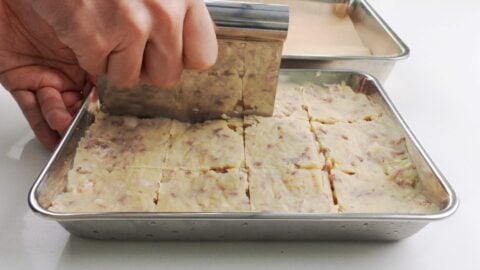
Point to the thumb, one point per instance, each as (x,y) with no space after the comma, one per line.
(47,86)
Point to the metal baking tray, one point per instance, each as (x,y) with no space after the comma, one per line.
(386,47)
(254,225)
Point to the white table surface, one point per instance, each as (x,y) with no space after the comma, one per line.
(438,92)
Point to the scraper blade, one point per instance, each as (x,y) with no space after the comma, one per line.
(242,81)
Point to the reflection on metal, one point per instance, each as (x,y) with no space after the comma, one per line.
(243,81)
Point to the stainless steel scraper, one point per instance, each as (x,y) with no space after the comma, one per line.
(243,80)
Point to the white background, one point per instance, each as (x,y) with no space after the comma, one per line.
(438,92)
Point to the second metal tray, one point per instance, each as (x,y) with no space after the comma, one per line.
(384,44)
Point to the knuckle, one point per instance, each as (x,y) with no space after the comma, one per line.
(99,46)
(138,30)
(135,20)
(170,16)
(196,3)
(50,79)
(69,26)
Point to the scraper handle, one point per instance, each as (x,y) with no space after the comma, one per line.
(249,20)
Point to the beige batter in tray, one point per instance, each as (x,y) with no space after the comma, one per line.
(326,149)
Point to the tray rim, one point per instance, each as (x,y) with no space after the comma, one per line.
(447,211)
(405,50)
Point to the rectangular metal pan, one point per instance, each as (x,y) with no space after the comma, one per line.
(247,226)
(386,47)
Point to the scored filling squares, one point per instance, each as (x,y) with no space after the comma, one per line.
(338,103)
(197,191)
(113,142)
(280,143)
(368,191)
(372,169)
(127,190)
(290,190)
(216,144)
(350,145)
(325,149)
(289,102)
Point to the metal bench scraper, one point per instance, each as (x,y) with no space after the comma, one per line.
(243,80)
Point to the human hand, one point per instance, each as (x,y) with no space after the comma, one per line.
(127,40)
(40,72)
(48,48)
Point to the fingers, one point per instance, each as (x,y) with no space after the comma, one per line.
(187,40)
(72,100)
(200,47)
(180,35)
(162,69)
(71,97)
(30,107)
(47,97)
(125,65)
(53,108)
(93,60)
(36,77)
(163,56)
(75,108)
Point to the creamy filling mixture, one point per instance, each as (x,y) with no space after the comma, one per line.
(326,149)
